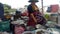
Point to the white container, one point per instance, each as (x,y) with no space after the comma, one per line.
(44,31)
(5,33)
(28,32)
(18,22)
(38,26)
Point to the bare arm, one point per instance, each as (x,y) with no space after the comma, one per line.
(33,17)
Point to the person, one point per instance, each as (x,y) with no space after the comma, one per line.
(17,15)
(35,16)
(1,11)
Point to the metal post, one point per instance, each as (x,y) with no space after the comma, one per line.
(42,6)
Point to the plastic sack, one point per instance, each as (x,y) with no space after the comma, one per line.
(28,32)
(19,30)
(5,26)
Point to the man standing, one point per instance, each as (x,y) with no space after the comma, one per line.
(1,11)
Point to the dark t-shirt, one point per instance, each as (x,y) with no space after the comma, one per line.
(30,10)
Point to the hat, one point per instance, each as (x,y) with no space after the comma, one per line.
(33,1)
